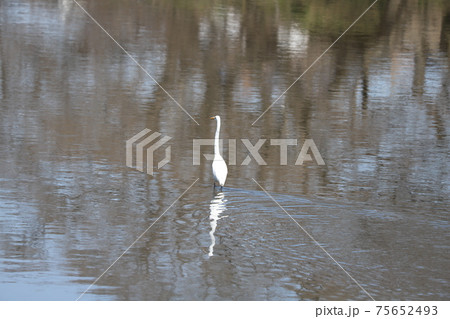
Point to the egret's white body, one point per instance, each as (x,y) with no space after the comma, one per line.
(219,167)
(220,171)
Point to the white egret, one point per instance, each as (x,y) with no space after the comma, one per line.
(219,167)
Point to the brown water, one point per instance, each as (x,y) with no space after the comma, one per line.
(376,105)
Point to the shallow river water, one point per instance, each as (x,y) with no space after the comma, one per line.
(373,222)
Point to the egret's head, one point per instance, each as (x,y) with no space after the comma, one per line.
(217,117)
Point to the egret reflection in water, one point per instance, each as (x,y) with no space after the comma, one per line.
(217,207)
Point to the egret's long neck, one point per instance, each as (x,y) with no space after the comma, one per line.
(216,140)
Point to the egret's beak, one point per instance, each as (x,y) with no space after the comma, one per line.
(212,118)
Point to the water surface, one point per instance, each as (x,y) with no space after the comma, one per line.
(376,106)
